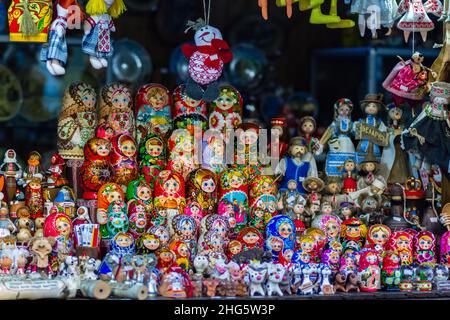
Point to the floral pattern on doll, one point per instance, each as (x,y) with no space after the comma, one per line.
(117,218)
(424,247)
(280,227)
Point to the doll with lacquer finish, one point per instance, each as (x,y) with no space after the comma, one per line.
(124,159)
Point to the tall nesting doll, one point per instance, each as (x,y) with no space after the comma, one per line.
(188,113)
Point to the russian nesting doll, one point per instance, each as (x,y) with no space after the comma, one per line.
(369,271)
(201,187)
(182,254)
(188,113)
(353,234)
(153,114)
(185,229)
(138,218)
(140,190)
(107,193)
(212,224)
(233,191)
(152,156)
(226,110)
(116,109)
(182,158)
(328,223)
(124,159)
(162,233)
(250,238)
(34,198)
(390,271)
(96,169)
(246,158)
(280,236)
(77,120)
(59,226)
(263,195)
(117,218)
(402,243)
(214,153)
(378,238)
(424,247)
(194,210)
(445,249)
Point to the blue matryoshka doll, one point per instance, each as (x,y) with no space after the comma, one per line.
(280,228)
(122,244)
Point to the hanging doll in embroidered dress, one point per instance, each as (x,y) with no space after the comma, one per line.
(97,42)
(375,14)
(415,16)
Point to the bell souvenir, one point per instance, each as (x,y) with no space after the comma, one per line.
(152,156)
(124,159)
(201,187)
(153,114)
(188,113)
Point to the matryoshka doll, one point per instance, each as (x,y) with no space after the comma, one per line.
(328,223)
(170,194)
(263,195)
(391,271)
(162,233)
(116,109)
(233,189)
(246,158)
(138,217)
(353,233)
(153,114)
(59,226)
(402,242)
(378,238)
(181,149)
(188,113)
(124,159)
(107,193)
(424,247)
(77,120)
(185,228)
(147,244)
(194,210)
(349,262)
(166,260)
(117,218)
(445,249)
(34,199)
(201,187)
(306,247)
(332,256)
(214,153)
(369,271)
(250,238)
(214,243)
(212,223)
(152,157)
(96,169)
(320,240)
(182,254)
(140,191)
(226,111)
(280,227)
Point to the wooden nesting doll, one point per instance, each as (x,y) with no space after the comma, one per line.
(107,193)
(402,243)
(188,113)
(96,169)
(182,158)
(425,247)
(116,109)
(34,198)
(280,236)
(77,120)
(263,195)
(153,111)
(185,230)
(201,187)
(246,157)
(226,111)
(140,205)
(162,233)
(124,159)
(152,156)
(117,219)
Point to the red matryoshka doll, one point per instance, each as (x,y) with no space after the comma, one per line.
(391,271)
(182,253)
(170,194)
(188,113)
(378,238)
(320,240)
(233,189)
(116,109)
(226,110)
(181,150)
(424,247)
(246,158)
(185,229)
(96,169)
(152,156)
(77,120)
(139,191)
(369,271)
(250,238)
(59,226)
(104,131)
(445,249)
(402,243)
(34,199)
(299,231)
(194,210)
(147,244)
(162,233)
(123,159)
(108,193)
(153,114)
(328,223)
(263,194)
(201,187)
(138,218)
(353,234)
(166,260)
(234,247)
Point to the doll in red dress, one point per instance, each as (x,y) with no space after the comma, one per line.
(124,159)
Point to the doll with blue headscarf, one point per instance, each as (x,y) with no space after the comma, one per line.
(280,229)
(121,245)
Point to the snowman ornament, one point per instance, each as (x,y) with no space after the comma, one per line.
(206,60)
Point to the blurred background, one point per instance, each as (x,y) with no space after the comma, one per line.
(282,66)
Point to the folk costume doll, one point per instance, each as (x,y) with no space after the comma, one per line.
(279,129)
(188,113)
(59,226)
(288,198)
(77,120)
(117,219)
(424,247)
(337,136)
(368,174)
(33,170)
(307,128)
(415,16)
(124,159)
(34,198)
(293,166)
(97,40)
(96,169)
(280,228)
(153,114)
(371,106)
(428,134)
(201,187)
(206,60)
(349,175)
(182,157)
(226,110)
(152,156)
(116,109)
(107,194)
(385,11)
(353,234)
(56,172)
(333,193)
(313,186)
(369,271)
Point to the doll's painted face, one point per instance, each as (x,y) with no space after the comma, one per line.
(124,241)
(216,242)
(379,237)
(187,229)
(144,193)
(120,99)
(299,208)
(128,148)
(151,243)
(103,148)
(166,256)
(217,148)
(267,188)
(162,212)
(353,231)
(236,181)
(191,102)
(276,244)
(425,243)
(313,185)
(403,243)
(405,256)
(349,166)
(208,185)
(292,185)
(308,127)
(370,166)
(113,196)
(332,229)
(171,186)
(183,250)
(163,236)
(259,213)
(395,114)
(250,238)
(195,211)
(220,228)
(371,109)
(285,230)
(89,99)
(226,101)
(394,258)
(63,226)
(346,212)
(249,137)
(334,257)
(326,208)
(236,248)
(157,98)
(371,259)
(116,208)
(306,246)
(154,147)
(314,208)
(344,110)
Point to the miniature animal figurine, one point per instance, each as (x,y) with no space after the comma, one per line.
(257,277)
(41,248)
(339,282)
(211,286)
(275,273)
(70,267)
(352,284)
(90,269)
(325,285)
(201,264)
(285,284)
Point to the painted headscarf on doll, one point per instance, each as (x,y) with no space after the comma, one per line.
(176,191)
(284,228)
(97,149)
(250,238)
(425,245)
(185,226)
(372,235)
(154,97)
(110,103)
(139,190)
(326,222)
(400,241)
(368,258)
(445,248)
(146,237)
(153,149)
(391,260)
(122,243)
(123,147)
(108,193)
(58,224)
(185,105)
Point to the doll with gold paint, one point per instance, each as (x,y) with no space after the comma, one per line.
(181,159)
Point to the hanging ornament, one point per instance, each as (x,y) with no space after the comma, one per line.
(97,42)
(374,14)
(281,3)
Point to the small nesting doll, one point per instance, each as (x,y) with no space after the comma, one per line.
(152,156)
(391,271)
(369,271)
(182,158)
(188,113)
(182,254)
(212,223)
(194,210)
(233,190)
(116,109)
(56,177)
(226,110)
(123,159)
(170,193)
(96,169)
(185,229)
(201,187)
(140,191)
(263,195)
(246,157)
(328,223)
(424,247)
(250,238)
(139,205)
(147,244)
(280,228)
(117,218)
(353,234)
(378,238)
(402,243)
(445,249)
(214,153)
(320,241)
(162,233)
(77,120)
(153,114)
(109,192)
(34,198)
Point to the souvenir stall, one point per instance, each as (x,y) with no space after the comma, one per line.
(199,174)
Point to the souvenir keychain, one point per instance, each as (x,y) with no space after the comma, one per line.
(206,58)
